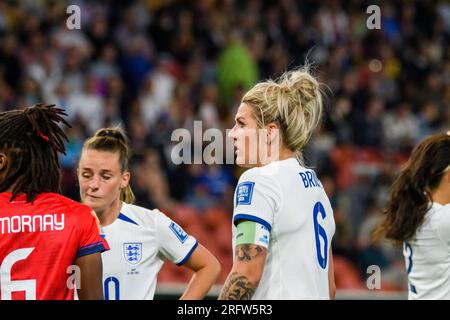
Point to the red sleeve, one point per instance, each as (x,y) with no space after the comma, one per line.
(90,239)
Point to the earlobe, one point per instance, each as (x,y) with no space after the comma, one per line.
(272,133)
(3,161)
(125,180)
(272,129)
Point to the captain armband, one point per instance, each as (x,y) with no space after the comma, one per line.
(251,232)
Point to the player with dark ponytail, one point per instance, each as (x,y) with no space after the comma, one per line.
(417,215)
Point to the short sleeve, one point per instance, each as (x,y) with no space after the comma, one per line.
(443,225)
(257,198)
(90,240)
(174,243)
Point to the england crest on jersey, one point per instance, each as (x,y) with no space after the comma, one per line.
(133,252)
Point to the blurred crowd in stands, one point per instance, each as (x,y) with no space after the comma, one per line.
(153,66)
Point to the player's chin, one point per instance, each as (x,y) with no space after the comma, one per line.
(91,202)
(242,162)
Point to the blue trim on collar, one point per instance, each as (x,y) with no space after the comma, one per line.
(126,219)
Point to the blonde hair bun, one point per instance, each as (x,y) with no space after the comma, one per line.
(294,101)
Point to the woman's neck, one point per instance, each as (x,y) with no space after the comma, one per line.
(286,154)
(109,215)
(441,196)
(283,155)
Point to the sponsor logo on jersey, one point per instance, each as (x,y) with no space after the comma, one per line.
(264,239)
(244,192)
(179,232)
(132,252)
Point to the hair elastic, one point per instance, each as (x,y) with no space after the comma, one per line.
(43,136)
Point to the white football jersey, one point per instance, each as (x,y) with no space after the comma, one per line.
(140,241)
(427,256)
(290,201)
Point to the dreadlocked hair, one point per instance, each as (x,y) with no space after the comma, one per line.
(32,139)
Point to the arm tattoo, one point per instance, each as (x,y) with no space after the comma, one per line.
(237,287)
(246,252)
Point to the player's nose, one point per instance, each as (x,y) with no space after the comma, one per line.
(232,133)
(93,183)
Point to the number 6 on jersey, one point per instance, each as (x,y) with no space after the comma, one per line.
(6,285)
(319,231)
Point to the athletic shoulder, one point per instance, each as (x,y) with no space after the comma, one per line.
(257,196)
(264,174)
(74,207)
(265,179)
(142,216)
(442,214)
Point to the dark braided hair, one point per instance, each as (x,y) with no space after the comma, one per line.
(32,139)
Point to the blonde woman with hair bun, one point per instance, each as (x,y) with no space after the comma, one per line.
(282,221)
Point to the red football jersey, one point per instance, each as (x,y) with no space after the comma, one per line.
(40,243)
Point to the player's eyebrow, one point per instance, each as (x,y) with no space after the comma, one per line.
(239,119)
(106,171)
(101,171)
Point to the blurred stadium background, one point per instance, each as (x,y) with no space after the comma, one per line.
(152,66)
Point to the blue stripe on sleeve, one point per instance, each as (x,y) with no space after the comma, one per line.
(188,255)
(248,217)
(91,248)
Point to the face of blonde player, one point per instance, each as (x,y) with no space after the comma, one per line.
(101,181)
(246,136)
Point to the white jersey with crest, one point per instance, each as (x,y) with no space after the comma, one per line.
(140,241)
(290,201)
(427,256)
